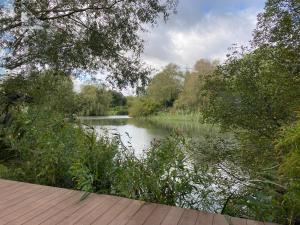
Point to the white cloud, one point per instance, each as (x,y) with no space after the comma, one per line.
(209,38)
(200,29)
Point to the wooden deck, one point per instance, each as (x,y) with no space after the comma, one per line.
(24,203)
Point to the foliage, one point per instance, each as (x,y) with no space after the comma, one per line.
(251,93)
(119,110)
(94,168)
(165,86)
(118,99)
(47,147)
(190,97)
(76,36)
(50,90)
(288,147)
(255,93)
(44,146)
(279,25)
(163,175)
(94,101)
(143,106)
(118,105)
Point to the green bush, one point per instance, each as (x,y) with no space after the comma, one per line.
(143,107)
(49,148)
(288,147)
(119,110)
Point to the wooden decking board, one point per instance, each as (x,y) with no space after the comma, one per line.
(31,204)
(6,183)
(189,217)
(108,203)
(204,218)
(23,202)
(238,221)
(142,214)
(28,208)
(71,219)
(21,196)
(7,191)
(220,220)
(173,216)
(5,201)
(18,209)
(63,214)
(53,211)
(253,222)
(124,216)
(39,210)
(158,215)
(113,212)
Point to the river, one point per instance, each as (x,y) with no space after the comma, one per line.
(139,133)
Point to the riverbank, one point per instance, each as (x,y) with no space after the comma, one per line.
(168,117)
(191,124)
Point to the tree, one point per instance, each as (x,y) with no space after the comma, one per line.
(166,85)
(95,101)
(288,148)
(77,36)
(279,25)
(278,28)
(49,90)
(118,99)
(255,94)
(190,96)
(143,106)
(251,92)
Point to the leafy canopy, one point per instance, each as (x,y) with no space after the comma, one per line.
(190,96)
(166,85)
(76,35)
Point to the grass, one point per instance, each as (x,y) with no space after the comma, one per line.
(175,117)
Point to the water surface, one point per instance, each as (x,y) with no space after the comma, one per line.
(139,133)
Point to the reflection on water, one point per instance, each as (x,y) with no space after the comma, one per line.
(139,133)
(134,133)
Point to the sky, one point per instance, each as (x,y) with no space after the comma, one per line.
(199,29)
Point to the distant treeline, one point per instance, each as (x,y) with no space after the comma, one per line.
(172,90)
(99,101)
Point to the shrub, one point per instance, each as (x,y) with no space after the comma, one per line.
(143,107)
(288,147)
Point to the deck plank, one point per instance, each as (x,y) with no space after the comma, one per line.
(113,212)
(189,217)
(83,212)
(75,197)
(173,216)
(205,218)
(36,194)
(140,216)
(220,220)
(25,206)
(31,204)
(124,217)
(10,190)
(253,222)
(63,214)
(158,215)
(20,196)
(40,208)
(238,221)
(108,202)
